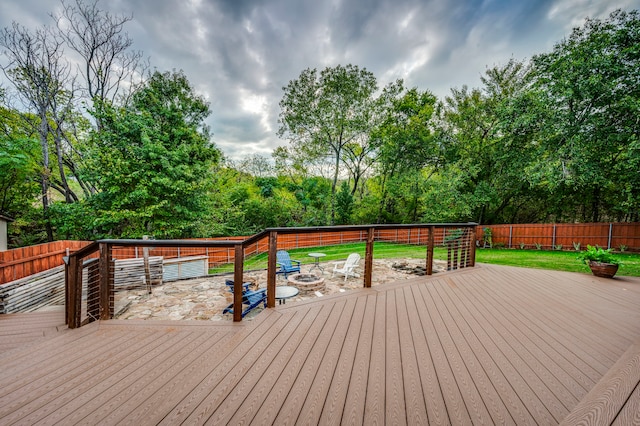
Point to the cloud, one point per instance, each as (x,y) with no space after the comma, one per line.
(240,53)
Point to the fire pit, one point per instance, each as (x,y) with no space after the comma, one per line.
(306,283)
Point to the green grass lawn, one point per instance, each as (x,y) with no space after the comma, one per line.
(540,259)
(556,260)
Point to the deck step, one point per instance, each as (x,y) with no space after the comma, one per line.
(610,398)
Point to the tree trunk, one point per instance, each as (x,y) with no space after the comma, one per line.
(334,184)
(45,173)
(69,195)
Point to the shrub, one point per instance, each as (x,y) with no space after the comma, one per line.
(576,246)
(597,254)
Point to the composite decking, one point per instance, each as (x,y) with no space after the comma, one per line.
(486,345)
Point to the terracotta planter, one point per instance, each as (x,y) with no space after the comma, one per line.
(604,270)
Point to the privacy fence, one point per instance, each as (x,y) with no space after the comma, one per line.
(25,261)
(565,236)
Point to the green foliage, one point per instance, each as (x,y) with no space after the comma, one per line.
(344,204)
(588,89)
(487,237)
(484,147)
(598,254)
(151,161)
(18,169)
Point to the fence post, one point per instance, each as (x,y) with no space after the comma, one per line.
(610,234)
(368,257)
(238,278)
(430,242)
(553,238)
(510,234)
(106,283)
(271,270)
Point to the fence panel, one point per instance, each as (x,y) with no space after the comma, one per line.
(552,236)
(24,261)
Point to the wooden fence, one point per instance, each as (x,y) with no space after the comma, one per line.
(563,236)
(24,261)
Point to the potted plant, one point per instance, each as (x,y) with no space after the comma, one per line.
(602,262)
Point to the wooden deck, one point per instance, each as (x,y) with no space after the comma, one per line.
(490,345)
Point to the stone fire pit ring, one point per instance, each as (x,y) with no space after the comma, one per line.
(306,283)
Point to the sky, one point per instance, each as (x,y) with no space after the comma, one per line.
(239,54)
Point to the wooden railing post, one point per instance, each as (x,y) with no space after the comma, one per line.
(456,248)
(368,258)
(271,270)
(72,285)
(238,278)
(472,248)
(106,283)
(430,242)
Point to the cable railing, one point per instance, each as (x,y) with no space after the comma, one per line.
(96,272)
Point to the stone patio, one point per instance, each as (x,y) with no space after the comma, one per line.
(205,298)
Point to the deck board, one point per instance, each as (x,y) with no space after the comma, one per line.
(487,345)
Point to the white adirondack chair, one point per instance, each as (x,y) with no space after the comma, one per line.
(347,267)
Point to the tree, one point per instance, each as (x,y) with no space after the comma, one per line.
(37,69)
(151,161)
(99,38)
(486,144)
(405,144)
(18,164)
(589,86)
(321,114)
(344,204)
(256,165)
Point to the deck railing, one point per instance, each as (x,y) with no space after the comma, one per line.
(90,286)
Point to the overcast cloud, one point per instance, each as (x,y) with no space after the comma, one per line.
(240,53)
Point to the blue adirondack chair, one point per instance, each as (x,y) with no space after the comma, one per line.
(229,283)
(286,264)
(252,299)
